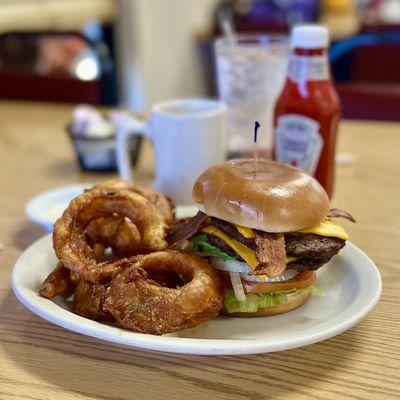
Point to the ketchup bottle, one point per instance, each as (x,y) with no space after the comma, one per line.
(307,111)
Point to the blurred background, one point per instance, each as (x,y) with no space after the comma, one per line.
(134,53)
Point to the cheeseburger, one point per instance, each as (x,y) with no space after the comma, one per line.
(266,232)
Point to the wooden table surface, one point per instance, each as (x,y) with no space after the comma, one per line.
(41,361)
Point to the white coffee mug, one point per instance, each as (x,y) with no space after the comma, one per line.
(188,136)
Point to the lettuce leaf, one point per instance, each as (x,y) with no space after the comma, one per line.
(254,301)
(202,247)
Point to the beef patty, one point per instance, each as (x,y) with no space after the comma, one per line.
(312,251)
(231,231)
(306,245)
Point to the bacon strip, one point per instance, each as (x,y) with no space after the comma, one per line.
(270,251)
(185,229)
(336,212)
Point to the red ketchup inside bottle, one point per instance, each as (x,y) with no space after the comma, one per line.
(307,111)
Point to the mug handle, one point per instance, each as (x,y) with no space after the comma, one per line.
(131,127)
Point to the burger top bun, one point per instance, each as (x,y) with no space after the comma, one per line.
(275,198)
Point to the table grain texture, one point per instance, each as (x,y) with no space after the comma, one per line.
(41,361)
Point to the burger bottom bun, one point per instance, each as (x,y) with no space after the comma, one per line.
(294,301)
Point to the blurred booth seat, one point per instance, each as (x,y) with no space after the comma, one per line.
(25,86)
(366,68)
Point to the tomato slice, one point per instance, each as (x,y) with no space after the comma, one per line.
(302,280)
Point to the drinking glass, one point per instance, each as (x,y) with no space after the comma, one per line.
(251,71)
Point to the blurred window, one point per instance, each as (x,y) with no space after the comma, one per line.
(49,55)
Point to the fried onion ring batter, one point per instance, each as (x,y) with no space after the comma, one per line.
(70,239)
(58,281)
(159,200)
(120,234)
(88,301)
(140,302)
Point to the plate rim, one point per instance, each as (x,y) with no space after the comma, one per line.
(181,345)
(31,205)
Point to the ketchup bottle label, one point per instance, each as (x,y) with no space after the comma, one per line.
(298,142)
(306,68)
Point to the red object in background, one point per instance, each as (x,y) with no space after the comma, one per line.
(308,110)
(24,86)
(376,63)
(370,100)
(370,87)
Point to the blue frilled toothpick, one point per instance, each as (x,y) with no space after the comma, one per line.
(255,155)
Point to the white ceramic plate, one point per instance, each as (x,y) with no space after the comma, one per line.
(351,283)
(45,208)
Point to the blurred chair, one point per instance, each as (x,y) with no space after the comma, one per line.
(366,68)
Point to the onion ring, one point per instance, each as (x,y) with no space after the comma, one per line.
(98,251)
(141,303)
(159,200)
(70,240)
(89,299)
(58,281)
(127,240)
(120,234)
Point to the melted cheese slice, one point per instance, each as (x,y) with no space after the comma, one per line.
(327,228)
(247,254)
(248,233)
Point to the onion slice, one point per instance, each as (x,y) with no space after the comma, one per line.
(244,270)
(237,286)
(230,265)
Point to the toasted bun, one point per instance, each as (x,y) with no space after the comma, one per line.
(277,198)
(294,302)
